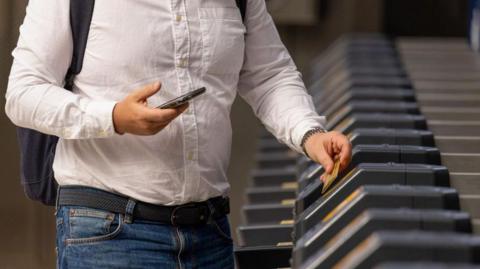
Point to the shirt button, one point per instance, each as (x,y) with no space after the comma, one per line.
(190,156)
(67,133)
(178,18)
(183,63)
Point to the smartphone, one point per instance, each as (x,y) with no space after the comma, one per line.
(174,103)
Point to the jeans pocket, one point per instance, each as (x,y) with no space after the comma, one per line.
(222,226)
(90,225)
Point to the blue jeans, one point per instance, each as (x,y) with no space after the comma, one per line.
(91,238)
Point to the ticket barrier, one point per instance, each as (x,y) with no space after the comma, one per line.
(343,70)
(337,99)
(366,136)
(329,248)
(390,107)
(262,257)
(357,63)
(272,213)
(455,127)
(369,196)
(425,265)
(353,52)
(396,106)
(379,59)
(270,145)
(267,177)
(379,120)
(377,154)
(311,187)
(350,50)
(363,174)
(268,195)
(410,137)
(276,159)
(367,56)
(414,174)
(351,117)
(438,113)
(380,136)
(449,99)
(376,196)
(264,234)
(364,81)
(409,246)
(283,186)
(365,106)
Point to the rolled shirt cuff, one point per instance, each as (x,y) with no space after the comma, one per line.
(101,117)
(302,128)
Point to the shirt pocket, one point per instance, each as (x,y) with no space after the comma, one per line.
(223,40)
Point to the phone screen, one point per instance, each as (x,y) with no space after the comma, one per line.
(174,103)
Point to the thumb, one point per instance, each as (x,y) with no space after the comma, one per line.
(145,92)
(326,161)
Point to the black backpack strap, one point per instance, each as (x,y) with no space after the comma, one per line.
(81,12)
(242,5)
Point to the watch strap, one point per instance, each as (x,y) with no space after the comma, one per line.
(308,134)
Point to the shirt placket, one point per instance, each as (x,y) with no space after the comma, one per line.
(189,124)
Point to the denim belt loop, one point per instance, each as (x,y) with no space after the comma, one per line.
(129,210)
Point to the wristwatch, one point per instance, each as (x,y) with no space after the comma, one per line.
(308,134)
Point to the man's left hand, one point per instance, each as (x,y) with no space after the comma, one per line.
(325,148)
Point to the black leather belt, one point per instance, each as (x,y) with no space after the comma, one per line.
(187,214)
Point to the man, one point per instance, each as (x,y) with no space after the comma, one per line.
(167,168)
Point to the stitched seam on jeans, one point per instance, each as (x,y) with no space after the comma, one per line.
(74,241)
(90,213)
(222,234)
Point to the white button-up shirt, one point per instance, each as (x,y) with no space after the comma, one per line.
(182,43)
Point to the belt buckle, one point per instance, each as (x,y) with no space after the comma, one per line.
(189,214)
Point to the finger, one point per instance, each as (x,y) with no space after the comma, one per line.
(329,148)
(326,161)
(328,145)
(162,116)
(336,149)
(145,92)
(182,108)
(345,153)
(322,177)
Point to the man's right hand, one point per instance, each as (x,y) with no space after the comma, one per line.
(132,114)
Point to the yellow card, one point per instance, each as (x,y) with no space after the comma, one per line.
(328,179)
(290,185)
(288,202)
(287,222)
(284,244)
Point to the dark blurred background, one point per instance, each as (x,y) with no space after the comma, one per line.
(306,26)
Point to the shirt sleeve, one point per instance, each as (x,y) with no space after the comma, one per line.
(270,83)
(35,96)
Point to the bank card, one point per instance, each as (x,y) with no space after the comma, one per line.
(328,179)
